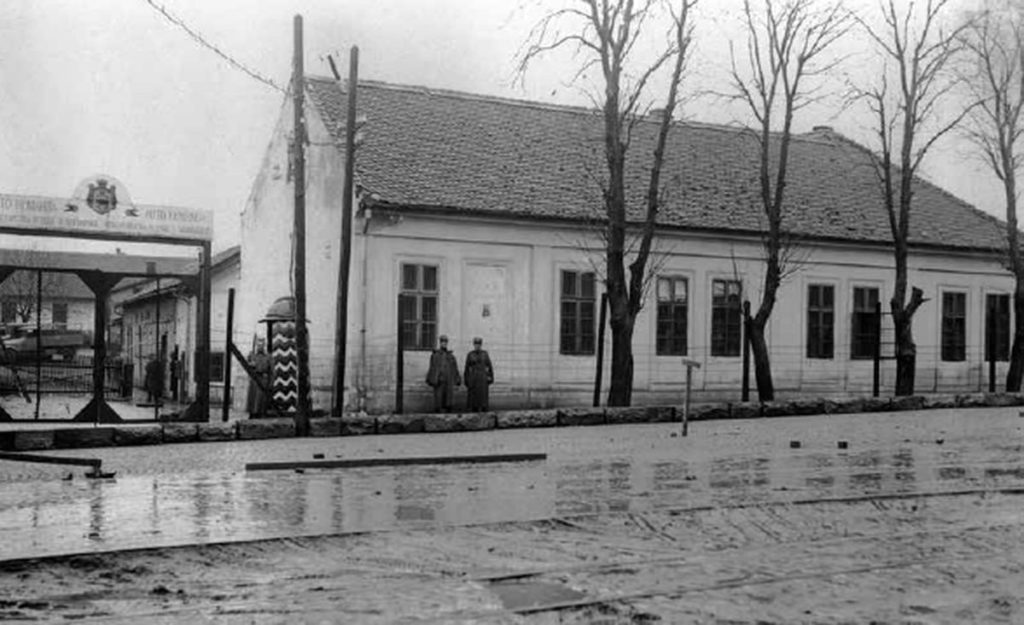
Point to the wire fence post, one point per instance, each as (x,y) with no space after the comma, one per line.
(746,351)
(225,408)
(600,350)
(990,350)
(877,356)
(690,366)
(399,360)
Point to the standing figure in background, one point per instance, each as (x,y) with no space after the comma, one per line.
(479,375)
(154,381)
(443,376)
(259,360)
(175,373)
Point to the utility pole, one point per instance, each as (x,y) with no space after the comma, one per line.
(299,182)
(341,325)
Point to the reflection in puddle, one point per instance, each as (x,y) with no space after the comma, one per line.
(42,518)
(46,518)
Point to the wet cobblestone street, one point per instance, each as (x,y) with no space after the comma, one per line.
(918,519)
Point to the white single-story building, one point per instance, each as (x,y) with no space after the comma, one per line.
(481,212)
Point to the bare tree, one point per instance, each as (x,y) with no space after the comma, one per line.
(21,288)
(994,74)
(918,56)
(610,34)
(786,46)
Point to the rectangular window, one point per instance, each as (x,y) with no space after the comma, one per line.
(59,314)
(997,327)
(726,314)
(672,314)
(954,327)
(418,306)
(821,314)
(9,311)
(217,366)
(578,297)
(864,324)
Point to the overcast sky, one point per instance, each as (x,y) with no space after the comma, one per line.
(111,86)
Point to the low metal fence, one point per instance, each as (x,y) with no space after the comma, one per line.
(55,377)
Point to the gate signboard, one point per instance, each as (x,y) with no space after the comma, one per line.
(97,212)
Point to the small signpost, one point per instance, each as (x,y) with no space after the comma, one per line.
(690,365)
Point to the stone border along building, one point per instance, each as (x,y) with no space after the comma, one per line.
(481,211)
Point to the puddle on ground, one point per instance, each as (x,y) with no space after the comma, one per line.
(56,517)
(48,518)
(524,595)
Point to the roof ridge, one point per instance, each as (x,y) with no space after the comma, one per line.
(811,136)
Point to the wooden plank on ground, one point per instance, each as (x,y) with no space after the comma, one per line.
(389,462)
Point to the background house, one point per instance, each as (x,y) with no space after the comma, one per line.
(159,316)
(66,302)
(481,212)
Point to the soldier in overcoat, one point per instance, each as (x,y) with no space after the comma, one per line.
(479,375)
(443,376)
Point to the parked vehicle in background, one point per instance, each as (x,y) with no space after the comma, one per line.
(22,343)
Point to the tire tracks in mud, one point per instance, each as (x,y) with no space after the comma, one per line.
(765,558)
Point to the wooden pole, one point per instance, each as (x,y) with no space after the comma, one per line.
(399,361)
(746,351)
(690,365)
(990,345)
(600,350)
(201,405)
(341,328)
(225,408)
(159,359)
(299,185)
(876,373)
(39,339)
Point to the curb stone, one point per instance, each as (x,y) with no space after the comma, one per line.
(73,438)
(526,419)
(28,440)
(138,435)
(400,424)
(216,432)
(320,427)
(181,432)
(580,416)
(256,429)
(362,424)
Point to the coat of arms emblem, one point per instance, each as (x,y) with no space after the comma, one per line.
(102,196)
(99,193)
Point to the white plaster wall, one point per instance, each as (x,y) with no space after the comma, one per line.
(530,370)
(267,225)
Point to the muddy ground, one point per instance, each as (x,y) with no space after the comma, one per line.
(920,521)
(940,559)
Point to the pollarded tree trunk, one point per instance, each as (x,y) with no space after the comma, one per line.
(762,365)
(906,352)
(1016,369)
(621,391)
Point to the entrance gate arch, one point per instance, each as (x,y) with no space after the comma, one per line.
(94,212)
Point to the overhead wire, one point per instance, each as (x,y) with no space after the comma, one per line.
(216,50)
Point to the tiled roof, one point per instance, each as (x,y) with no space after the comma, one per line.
(427,149)
(55,285)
